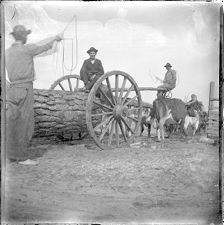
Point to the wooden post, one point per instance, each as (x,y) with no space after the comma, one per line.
(221,90)
(211,95)
(3,111)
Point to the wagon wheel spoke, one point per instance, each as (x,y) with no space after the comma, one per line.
(70,84)
(111,133)
(77,84)
(102,106)
(102,114)
(106,97)
(116,87)
(132,118)
(124,121)
(117,133)
(110,90)
(122,130)
(105,130)
(102,123)
(61,86)
(130,101)
(122,89)
(127,93)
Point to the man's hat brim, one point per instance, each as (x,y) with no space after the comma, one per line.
(92,50)
(168,65)
(26,32)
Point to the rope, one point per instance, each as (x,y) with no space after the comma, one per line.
(73,67)
(152,78)
(74,17)
(55,57)
(62,45)
(63,56)
(15,12)
(76,42)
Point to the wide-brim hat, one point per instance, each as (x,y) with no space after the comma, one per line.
(168,65)
(20,29)
(92,49)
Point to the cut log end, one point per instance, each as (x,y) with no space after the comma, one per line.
(59,113)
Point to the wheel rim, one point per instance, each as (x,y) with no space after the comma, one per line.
(114,110)
(68,83)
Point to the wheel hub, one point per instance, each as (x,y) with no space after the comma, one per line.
(120,110)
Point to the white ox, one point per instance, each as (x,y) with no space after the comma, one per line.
(192,121)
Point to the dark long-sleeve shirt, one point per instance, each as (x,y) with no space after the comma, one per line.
(89,68)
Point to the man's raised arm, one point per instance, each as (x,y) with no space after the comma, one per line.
(36,49)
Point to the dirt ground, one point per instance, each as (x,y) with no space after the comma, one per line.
(173,181)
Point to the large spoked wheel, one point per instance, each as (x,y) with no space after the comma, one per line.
(68,83)
(114,110)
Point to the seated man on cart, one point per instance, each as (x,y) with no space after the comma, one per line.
(169,82)
(91,70)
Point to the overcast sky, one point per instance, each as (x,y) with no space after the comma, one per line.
(135,37)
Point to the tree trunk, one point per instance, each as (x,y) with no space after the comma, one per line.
(59,113)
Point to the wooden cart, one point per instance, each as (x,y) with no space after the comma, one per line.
(113,119)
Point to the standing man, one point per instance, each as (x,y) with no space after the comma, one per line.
(169,82)
(19,94)
(192,105)
(91,69)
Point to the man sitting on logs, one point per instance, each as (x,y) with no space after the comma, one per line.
(169,82)
(19,94)
(91,69)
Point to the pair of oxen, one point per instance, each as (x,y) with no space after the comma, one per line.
(170,115)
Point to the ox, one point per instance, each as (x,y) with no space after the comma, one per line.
(165,109)
(192,121)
